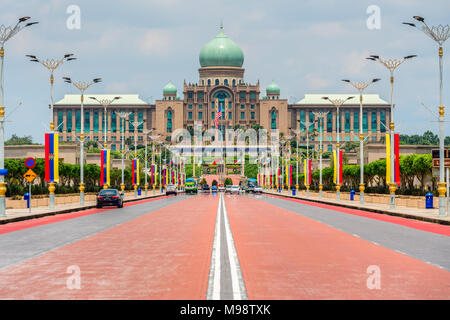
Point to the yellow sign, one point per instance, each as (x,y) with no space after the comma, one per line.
(30,175)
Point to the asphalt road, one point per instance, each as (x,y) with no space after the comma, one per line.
(221,246)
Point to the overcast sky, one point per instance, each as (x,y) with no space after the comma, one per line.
(137,46)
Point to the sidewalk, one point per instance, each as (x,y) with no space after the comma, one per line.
(14,215)
(429,215)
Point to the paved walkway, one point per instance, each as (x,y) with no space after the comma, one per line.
(13,215)
(430,215)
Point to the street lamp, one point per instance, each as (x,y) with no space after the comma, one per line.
(320,115)
(136,125)
(307,124)
(296,133)
(105,103)
(51,65)
(391,65)
(82,86)
(361,86)
(439,34)
(6,33)
(337,103)
(122,115)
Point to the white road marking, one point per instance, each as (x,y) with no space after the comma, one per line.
(236,274)
(214,276)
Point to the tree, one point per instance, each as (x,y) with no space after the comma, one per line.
(228,182)
(422,166)
(16,140)
(214,182)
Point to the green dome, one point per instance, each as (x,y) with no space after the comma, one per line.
(273,88)
(221,52)
(169,89)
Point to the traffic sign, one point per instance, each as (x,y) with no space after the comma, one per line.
(30,162)
(30,175)
(436,163)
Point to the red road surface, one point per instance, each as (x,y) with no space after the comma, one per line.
(284,255)
(162,255)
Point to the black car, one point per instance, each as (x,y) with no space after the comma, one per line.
(110,197)
(205,188)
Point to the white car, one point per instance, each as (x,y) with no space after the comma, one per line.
(235,189)
(228,189)
(258,189)
(171,189)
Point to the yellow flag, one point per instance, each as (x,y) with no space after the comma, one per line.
(334,166)
(388,159)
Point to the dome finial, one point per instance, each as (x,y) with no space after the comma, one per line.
(221,24)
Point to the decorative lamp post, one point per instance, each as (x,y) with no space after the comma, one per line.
(320,115)
(439,34)
(6,33)
(82,86)
(51,65)
(391,65)
(154,138)
(361,86)
(122,115)
(338,103)
(136,125)
(307,124)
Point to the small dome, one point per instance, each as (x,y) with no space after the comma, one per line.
(169,89)
(221,52)
(273,88)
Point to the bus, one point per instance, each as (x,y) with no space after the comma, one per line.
(251,185)
(190,186)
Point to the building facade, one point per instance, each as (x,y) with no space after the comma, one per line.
(221,87)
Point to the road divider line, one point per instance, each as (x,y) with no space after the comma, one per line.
(214,272)
(237,280)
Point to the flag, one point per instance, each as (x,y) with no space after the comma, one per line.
(135,171)
(215,161)
(105,158)
(51,157)
(218,115)
(334,166)
(238,160)
(153,172)
(396,159)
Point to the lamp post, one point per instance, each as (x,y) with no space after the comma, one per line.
(146,133)
(320,115)
(307,124)
(105,103)
(122,115)
(296,133)
(51,65)
(153,138)
(6,33)
(136,125)
(439,34)
(391,65)
(82,86)
(337,103)
(361,86)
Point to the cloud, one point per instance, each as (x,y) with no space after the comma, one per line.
(154,41)
(316,82)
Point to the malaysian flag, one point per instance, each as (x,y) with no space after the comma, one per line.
(218,115)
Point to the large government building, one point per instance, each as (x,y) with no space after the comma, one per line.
(221,84)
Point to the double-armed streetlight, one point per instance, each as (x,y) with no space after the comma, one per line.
(82,86)
(361,86)
(320,115)
(105,103)
(153,139)
(51,65)
(6,33)
(391,65)
(439,34)
(122,115)
(307,125)
(338,103)
(136,125)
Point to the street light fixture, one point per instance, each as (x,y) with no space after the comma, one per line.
(82,86)
(338,103)
(439,34)
(391,65)
(6,33)
(122,115)
(307,125)
(136,125)
(105,103)
(361,86)
(153,139)
(51,65)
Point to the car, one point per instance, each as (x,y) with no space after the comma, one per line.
(221,188)
(110,197)
(228,189)
(214,188)
(205,188)
(171,189)
(191,186)
(235,189)
(258,189)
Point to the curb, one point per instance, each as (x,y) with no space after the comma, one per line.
(62,211)
(357,207)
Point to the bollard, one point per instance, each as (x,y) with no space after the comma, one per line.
(352,195)
(429,201)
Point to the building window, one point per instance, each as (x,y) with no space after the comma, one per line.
(200,115)
(190,95)
(330,148)
(347,138)
(95,129)
(234,82)
(217,82)
(355,121)
(225,82)
(140,138)
(329,122)
(212,104)
(141,120)
(209,82)
(252,106)
(273,120)
(130,123)
(365,122)
(252,115)
(242,106)
(329,138)
(189,106)
(242,95)
(311,120)
(374,121)
(243,115)
(252,96)
(302,120)
(122,123)
(383,121)
(69,138)
(200,106)
(113,147)
(347,121)
(190,115)
(230,115)
(229,105)
(169,121)
(87,123)
(338,122)
(200,95)
(113,122)
(213,115)
(60,121)
(69,121)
